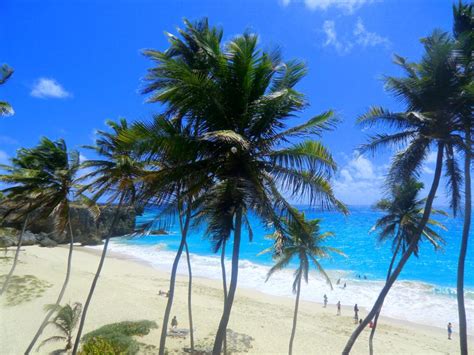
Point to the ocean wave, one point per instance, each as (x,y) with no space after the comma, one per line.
(417,302)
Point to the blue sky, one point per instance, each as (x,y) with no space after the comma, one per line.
(78,63)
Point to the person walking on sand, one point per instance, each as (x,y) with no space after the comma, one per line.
(325,300)
(450,330)
(174,323)
(338,308)
(356,313)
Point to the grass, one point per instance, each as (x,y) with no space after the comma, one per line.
(24,289)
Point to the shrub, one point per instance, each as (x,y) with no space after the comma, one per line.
(99,346)
(118,336)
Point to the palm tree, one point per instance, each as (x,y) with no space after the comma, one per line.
(464,37)
(306,244)
(56,182)
(173,178)
(5,73)
(241,98)
(427,121)
(403,213)
(65,322)
(19,197)
(115,177)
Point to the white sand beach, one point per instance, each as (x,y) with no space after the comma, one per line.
(128,290)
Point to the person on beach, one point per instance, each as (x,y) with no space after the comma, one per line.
(174,323)
(338,281)
(345,285)
(450,330)
(356,314)
(325,300)
(338,308)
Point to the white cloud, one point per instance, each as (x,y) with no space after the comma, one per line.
(366,38)
(431,158)
(8,140)
(360,181)
(348,6)
(4,157)
(427,170)
(360,37)
(329,29)
(49,88)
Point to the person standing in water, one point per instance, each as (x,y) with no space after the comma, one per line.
(450,330)
(325,300)
(338,308)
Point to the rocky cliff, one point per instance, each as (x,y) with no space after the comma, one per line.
(87,230)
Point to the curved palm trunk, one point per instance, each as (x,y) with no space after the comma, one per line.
(376,318)
(224,286)
(184,232)
(61,293)
(190,288)
(96,277)
(295,315)
(222,330)
(411,248)
(15,259)
(464,244)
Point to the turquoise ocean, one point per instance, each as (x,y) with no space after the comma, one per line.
(425,292)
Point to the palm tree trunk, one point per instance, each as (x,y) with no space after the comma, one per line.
(190,308)
(464,244)
(15,259)
(372,333)
(174,269)
(61,293)
(413,244)
(295,315)
(96,277)
(224,286)
(222,330)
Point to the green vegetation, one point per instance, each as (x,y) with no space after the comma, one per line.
(116,176)
(24,288)
(5,73)
(118,336)
(65,321)
(403,212)
(304,242)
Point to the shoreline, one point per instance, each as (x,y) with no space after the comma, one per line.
(128,290)
(408,301)
(401,322)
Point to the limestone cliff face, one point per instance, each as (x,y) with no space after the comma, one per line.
(86,229)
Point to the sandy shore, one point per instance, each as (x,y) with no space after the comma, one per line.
(128,290)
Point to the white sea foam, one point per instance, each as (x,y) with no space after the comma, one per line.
(408,300)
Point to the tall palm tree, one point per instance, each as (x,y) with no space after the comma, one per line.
(5,73)
(241,98)
(115,178)
(464,37)
(427,122)
(65,321)
(174,179)
(306,244)
(403,212)
(21,177)
(55,187)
